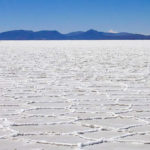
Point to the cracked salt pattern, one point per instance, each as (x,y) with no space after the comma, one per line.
(64,95)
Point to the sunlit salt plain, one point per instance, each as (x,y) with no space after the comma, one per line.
(74,95)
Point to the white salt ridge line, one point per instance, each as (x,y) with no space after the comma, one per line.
(31,102)
(129,107)
(136,125)
(123,112)
(90,143)
(12,114)
(126,87)
(42,133)
(20,111)
(130,126)
(35,108)
(142,110)
(130,134)
(88,125)
(134,142)
(41,108)
(86,131)
(7,105)
(75,133)
(108,96)
(54,143)
(92,118)
(83,137)
(60,116)
(117,139)
(25,134)
(146,122)
(117,100)
(90,139)
(118,116)
(123,136)
(40,124)
(39,115)
(91,112)
(46,102)
(97,127)
(120,104)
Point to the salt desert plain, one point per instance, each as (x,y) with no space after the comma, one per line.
(74,95)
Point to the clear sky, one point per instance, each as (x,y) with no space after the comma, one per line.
(75,15)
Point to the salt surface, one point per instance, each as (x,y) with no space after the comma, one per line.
(65,95)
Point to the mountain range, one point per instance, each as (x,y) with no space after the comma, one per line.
(79,35)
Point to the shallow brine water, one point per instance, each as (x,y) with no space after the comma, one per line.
(65,95)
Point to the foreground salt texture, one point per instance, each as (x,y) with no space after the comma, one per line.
(65,95)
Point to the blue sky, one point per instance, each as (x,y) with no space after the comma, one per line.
(75,15)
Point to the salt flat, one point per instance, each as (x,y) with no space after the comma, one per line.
(74,95)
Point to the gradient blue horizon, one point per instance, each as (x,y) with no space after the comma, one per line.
(76,15)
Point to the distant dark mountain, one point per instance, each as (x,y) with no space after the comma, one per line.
(30,35)
(80,35)
(48,35)
(17,35)
(74,33)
